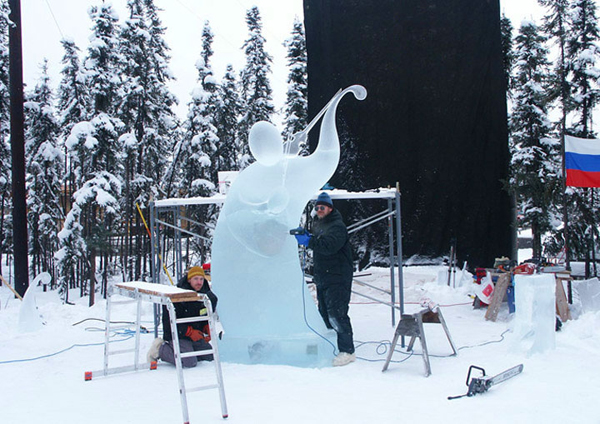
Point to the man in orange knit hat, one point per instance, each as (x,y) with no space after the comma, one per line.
(193,336)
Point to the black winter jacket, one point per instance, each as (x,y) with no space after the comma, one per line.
(187,310)
(332,252)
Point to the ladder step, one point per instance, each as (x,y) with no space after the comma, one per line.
(118,352)
(122,327)
(198,353)
(196,389)
(118,370)
(191,319)
(122,302)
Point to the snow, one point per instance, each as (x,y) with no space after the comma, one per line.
(558,386)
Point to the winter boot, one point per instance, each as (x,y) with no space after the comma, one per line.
(343,358)
(153,353)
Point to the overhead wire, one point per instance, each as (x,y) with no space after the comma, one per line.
(54,19)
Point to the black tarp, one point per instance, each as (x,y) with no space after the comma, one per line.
(435,117)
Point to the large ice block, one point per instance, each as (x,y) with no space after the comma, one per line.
(264,304)
(535,314)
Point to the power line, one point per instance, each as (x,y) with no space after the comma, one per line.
(54,18)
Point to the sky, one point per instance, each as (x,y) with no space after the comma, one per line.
(517,10)
(45,22)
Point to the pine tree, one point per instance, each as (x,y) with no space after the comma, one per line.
(534,171)
(227,122)
(506,30)
(198,148)
(200,134)
(71,253)
(296,105)
(257,94)
(100,136)
(44,171)
(5,155)
(556,27)
(146,112)
(583,52)
(73,107)
(210,138)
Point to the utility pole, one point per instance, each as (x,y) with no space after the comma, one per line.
(17,141)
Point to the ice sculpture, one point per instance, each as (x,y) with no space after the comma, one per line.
(535,312)
(263,300)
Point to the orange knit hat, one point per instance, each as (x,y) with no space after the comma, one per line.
(195,271)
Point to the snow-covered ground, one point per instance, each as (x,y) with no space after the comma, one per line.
(42,372)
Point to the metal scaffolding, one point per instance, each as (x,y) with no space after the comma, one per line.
(170,214)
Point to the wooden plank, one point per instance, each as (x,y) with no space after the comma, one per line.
(497,297)
(176,294)
(562,305)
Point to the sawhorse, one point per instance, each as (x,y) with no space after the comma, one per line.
(163,295)
(412,325)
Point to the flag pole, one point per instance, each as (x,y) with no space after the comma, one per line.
(565,200)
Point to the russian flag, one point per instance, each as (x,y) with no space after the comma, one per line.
(582,161)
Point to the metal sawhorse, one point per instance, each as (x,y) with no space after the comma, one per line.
(412,325)
(163,295)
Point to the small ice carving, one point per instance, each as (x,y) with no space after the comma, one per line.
(589,294)
(29,316)
(535,314)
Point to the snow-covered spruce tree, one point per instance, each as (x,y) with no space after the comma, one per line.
(210,138)
(227,122)
(556,28)
(198,147)
(257,95)
(100,135)
(583,52)
(73,107)
(44,168)
(535,174)
(5,155)
(146,112)
(200,134)
(296,105)
(508,58)
(71,255)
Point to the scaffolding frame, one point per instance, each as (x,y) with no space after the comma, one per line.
(161,211)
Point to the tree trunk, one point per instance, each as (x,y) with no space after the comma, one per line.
(92,276)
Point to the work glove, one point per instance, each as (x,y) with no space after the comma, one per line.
(303,239)
(195,335)
(219,327)
(206,331)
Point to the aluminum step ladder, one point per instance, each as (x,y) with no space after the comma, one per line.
(167,296)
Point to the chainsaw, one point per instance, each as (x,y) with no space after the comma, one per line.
(482,384)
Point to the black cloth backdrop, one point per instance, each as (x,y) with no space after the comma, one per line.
(435,116)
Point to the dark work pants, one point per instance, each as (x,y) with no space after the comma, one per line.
(167,353)
(333,306)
